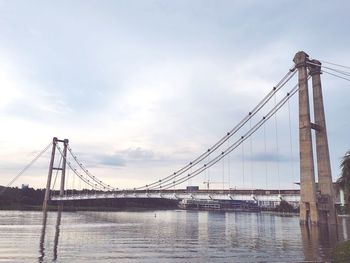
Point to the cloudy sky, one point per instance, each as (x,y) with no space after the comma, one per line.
(140,88)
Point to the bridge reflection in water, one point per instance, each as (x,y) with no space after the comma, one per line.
(187,234)
(43,234)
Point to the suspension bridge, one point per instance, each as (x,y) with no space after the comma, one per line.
(317,201)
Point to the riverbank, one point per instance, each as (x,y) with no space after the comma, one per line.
(29,199)
(281,213)
(101,205)
(341,253)
(68,208)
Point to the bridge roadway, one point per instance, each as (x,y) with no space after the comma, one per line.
(266,198)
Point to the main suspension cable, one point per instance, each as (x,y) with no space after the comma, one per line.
(335,75)
(330,68)
(239,141)
(229,134)
(86,171)
(87,181)
(335,64)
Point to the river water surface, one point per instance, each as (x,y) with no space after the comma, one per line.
(163,236)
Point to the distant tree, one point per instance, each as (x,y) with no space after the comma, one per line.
(344,179)
(284,206)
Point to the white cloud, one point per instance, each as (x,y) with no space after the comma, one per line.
(166,78)
(8,81)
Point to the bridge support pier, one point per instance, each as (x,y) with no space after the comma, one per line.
(49,176)
(63,173)
(55,141)
(308,206)
(325,191)
(316,203)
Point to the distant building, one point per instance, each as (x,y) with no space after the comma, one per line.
(25,186)
(338,193)
(192,188)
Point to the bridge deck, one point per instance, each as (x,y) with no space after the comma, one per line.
(291,196)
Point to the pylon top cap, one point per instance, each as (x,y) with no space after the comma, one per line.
(315,67)
(300,58)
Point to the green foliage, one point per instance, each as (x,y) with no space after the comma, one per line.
(341,253)
(284,206)
(344,180)
(31,199)
(14,197)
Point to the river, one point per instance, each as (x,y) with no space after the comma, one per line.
(163,236)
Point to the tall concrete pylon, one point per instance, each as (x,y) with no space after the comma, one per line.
(325,191)
(308,202)
(316,204)
(49,176)
(52,167)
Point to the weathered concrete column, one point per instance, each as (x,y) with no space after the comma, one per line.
(64,162)
(63,172)
(49,176)
(326,200)
(308,202)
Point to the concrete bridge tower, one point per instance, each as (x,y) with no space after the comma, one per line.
(316,203)
(52,168)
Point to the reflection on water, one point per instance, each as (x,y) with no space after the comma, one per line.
(163,236)
(42,238)
(318,242)
(57,233)
(43,232)
(345,228)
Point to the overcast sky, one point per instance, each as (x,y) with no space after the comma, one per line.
(140,88)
